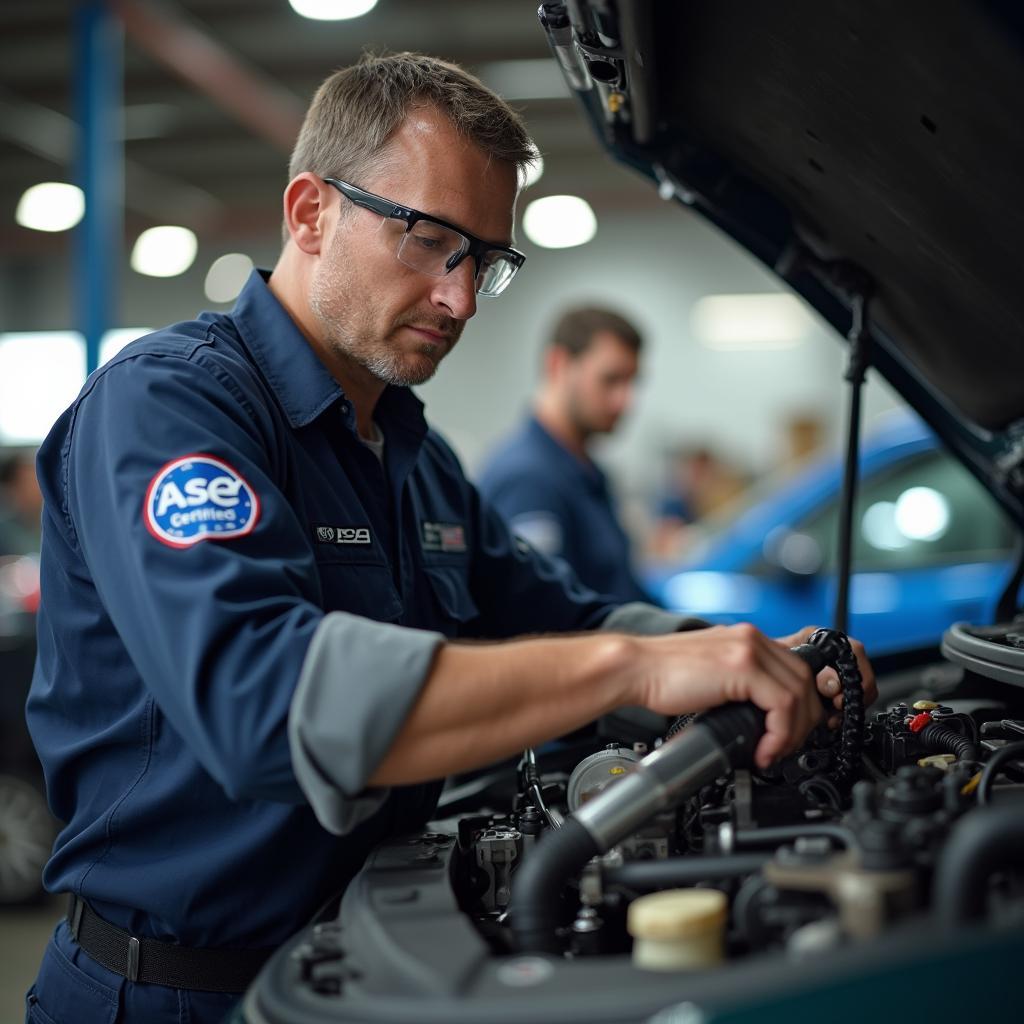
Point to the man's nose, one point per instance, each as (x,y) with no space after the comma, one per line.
(456,291)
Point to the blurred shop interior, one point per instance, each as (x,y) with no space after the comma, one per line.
(176,118)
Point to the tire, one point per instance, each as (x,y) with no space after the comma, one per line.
(27,831)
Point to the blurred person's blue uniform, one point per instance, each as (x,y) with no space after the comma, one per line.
(21,504)
(562,506)
(542,478)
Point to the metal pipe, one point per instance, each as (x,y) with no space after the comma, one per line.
(100,172)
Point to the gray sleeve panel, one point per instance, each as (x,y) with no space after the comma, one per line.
(358,683)
(647,620)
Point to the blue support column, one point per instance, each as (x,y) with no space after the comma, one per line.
(99,171)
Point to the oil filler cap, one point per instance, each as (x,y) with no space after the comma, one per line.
(678,929)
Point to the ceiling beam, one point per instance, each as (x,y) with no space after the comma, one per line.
(257,101)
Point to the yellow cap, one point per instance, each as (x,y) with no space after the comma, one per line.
(925,705)
(677,913)
(936,761)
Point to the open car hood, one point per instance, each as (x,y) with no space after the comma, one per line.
(863,151)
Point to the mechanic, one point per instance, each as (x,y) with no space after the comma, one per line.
(256,556)
(543,478)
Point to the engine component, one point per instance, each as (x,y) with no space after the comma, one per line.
(866,899)
(987,840)
(678,928)
(1009,753)
(905,735)
(595,772)
(715,743)
(497,851)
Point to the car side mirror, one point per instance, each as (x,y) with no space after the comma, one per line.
(796,556)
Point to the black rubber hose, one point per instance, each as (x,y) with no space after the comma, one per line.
(992,767)
(557,856)
(769,838)
(984,841)
(941,739)
(737,728)
(651,875)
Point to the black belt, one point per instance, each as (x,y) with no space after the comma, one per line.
(162,963)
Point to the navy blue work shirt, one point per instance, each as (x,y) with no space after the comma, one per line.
(209,509)
(563,507)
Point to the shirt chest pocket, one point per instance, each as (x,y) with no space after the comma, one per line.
(360,583)
(448,582)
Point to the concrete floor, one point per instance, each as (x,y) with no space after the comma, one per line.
(23,935)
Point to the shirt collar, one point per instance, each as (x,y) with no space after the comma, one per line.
(301,382)
(293,370)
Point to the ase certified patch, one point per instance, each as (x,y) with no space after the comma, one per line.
(443,537)
(198,497)
(342,534)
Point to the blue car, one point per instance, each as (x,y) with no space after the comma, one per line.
(931,547)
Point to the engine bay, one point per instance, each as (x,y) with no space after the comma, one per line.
(893,843)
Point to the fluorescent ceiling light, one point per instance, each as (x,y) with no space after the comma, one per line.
(332,10)
(226,276)
(533,172)
(41,372)
(559,222)
(50,206)
(164,251)
(538,79)
(113,341)
(750,322)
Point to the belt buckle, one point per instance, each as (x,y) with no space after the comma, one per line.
(132,971)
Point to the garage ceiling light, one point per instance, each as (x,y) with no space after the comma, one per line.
(532,79)
(226,276)
(164,251)
(750,322)
(332,10)
(50,206)
(559,222)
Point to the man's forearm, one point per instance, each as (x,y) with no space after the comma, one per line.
(479,705)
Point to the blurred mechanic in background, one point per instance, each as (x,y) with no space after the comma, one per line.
(543,478)
(21,503)
(257,557)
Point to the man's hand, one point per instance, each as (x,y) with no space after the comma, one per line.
(687,672)
(482,702)
(828,681)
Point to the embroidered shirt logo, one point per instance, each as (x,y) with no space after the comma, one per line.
(342,535)
(198,497)
(450,537)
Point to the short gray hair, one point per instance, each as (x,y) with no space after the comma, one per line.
(357,109)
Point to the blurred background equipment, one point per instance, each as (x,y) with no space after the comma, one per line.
(179,114)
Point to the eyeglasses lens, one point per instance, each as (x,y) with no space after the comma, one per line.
(433,249)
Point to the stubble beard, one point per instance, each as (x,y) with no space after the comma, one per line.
(350,336)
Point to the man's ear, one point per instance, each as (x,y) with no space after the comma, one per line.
(556,362)
(304,208)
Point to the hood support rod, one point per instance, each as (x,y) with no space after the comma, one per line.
(859,337)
